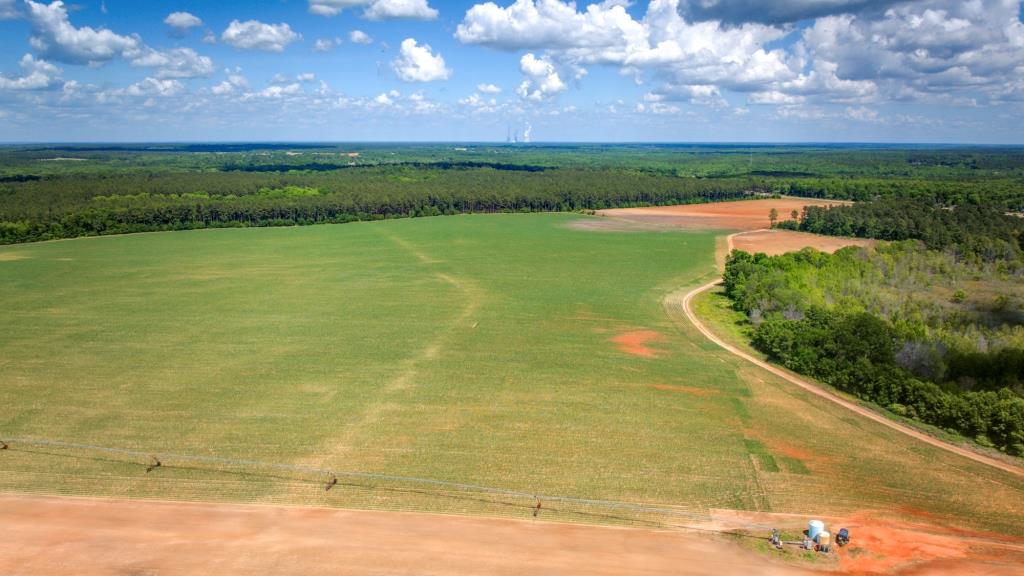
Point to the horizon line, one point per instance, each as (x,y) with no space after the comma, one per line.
(13,143)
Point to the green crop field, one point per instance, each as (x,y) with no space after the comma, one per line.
(486,349)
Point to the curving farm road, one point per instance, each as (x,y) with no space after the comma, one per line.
(684,303)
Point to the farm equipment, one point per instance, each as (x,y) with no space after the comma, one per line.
(815,539)
(823,542)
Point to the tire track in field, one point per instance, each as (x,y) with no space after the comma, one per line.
(389,395)
(678,305)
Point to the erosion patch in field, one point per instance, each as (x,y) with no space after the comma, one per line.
(11,256)
(636,342)
(774,242)
(739,215)
(790,458)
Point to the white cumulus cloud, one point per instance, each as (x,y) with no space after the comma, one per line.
(332,7)
(155,87)
(377,9)
(326,44)
(418,63)
(542,80)
(175,63)
(399,9)
(546,24)
(55,37)
(38,74)
(359,37)
(236,81)
(663,43)
(919,51)
(182,21)
(386,99)
(278,91)
(256,35)
(488,88)
(854,52)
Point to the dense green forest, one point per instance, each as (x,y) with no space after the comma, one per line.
(984,232)
(91,205)
(924,333)
(64,191)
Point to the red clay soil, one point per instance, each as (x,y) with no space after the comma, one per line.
(883,545)
(888,546)
(739,215)
(773,242)
(635,342)
(90,537)
(780,446)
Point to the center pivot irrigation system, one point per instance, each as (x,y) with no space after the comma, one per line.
(151,462)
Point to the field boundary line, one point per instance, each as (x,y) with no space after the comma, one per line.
(684,303)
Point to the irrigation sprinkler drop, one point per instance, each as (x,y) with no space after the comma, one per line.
(207,461)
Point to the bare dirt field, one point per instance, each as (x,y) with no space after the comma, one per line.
(740,215)
(86,537)
(773,242)
(52,535)
(749,217)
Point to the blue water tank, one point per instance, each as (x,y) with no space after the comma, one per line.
(814,527)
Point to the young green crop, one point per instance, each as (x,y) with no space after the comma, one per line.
(493,349)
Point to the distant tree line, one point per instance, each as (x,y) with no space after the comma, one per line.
(55,191)
(850,320)
(328,166)
(996,191)
(64,207)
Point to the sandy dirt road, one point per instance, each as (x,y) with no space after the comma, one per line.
(678,301)
(90,537)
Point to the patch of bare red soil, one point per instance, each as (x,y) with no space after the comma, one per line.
(773,242)
(636,342)
(881,544)
(792,451)
(779,446)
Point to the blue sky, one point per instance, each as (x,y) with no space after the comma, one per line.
(664,70)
